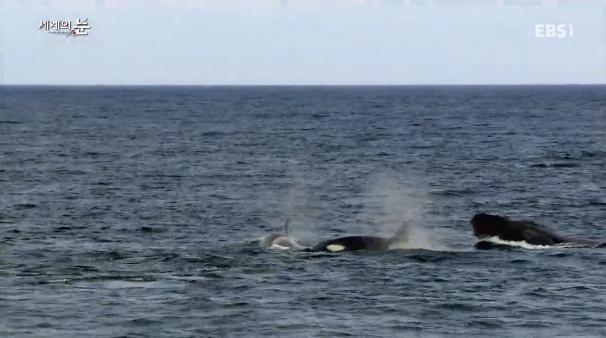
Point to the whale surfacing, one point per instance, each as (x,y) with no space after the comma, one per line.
(281,241)
(486,226)
(354,243)
(369,243)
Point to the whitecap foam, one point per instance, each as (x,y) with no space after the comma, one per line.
(280,247)
(404,245)
(520,244)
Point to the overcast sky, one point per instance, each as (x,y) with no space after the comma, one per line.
(301,42)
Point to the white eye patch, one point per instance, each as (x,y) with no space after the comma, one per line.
(335,247)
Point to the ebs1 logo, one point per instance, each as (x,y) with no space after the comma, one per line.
(550,30)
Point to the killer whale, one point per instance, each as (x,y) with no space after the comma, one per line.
(369,243)
(487,226)
(280,240)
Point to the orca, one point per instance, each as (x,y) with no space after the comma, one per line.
(369,243)
(280,240)
(486,226)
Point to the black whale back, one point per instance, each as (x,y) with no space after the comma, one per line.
(485,225)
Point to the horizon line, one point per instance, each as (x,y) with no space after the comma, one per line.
(303,85)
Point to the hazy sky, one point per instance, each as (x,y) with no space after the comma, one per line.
(301,42)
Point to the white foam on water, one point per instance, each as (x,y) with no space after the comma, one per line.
(280,242)
(280,247)
(520,244)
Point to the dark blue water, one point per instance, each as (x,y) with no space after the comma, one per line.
(137,211)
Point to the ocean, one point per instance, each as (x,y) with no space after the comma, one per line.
(138,211)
